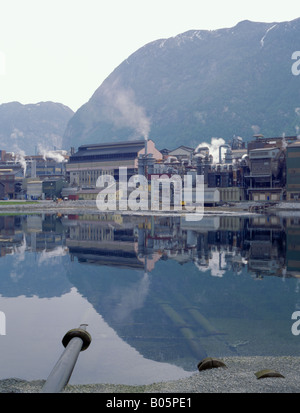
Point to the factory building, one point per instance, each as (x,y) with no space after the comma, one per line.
(182,152)
(52,188)
(91,161)
(293,171)
(264,171)
(265,179)
(7,184)
(44,166)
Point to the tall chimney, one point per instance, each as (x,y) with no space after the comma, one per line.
(146,147)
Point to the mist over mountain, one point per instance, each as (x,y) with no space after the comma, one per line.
(29,127)
(198,85)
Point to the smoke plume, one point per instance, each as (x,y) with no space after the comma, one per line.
(123,111)
(19,155)
(213,147)
(58,156)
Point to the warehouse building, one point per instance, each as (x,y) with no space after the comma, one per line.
(91,161)
(265,180)
(7,181)
(52,188)
(293,171)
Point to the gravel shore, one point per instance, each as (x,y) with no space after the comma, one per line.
(89,206)
(237,377)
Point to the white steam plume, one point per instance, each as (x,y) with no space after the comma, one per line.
(20,158)
(284,142)
(213,147)
(123,111)
(57,156)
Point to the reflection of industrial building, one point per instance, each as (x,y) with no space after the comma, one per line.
(220,242)
(100,239)
(34,233)
(43,233)
(175,307)
(223,243)
(168,310)
(293,246)
(11,235)
(263,245)
(267,246)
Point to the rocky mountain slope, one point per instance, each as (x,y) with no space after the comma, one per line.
(29,127)
(198,85)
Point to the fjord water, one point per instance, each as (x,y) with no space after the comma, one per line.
(158,293)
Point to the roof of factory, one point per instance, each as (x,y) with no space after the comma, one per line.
(110,148)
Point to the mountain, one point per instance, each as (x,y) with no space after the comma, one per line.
(27,127)
(200,84)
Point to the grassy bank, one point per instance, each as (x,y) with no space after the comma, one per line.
(17,202)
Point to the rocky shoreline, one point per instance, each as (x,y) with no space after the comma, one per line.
(237,377)
(89,206)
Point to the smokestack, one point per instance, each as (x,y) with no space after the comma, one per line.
(146,146)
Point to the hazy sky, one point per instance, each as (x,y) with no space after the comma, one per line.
(62,50)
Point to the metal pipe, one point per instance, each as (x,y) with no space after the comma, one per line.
(220,150)
(74,341)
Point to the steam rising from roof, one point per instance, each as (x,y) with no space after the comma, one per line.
(123,110)
(19,155)
(58,156)
(213,147)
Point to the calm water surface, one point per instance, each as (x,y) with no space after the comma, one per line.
(158,293)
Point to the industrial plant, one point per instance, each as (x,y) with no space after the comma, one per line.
(261,170)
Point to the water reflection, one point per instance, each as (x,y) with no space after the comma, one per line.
(263,244)
(175,291)
(45,238)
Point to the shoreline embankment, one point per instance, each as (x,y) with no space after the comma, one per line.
(239,376)
(89,206)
